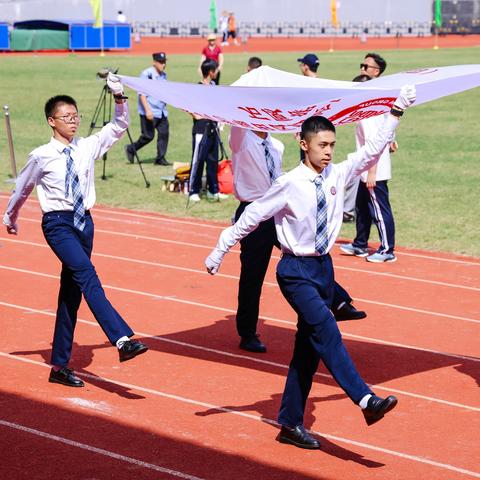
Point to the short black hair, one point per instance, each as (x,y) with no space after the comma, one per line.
(382,64)
(362,78)
(54,102)
(254,62)
(207,66)
(315,124)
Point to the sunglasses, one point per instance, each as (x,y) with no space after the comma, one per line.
(366,67)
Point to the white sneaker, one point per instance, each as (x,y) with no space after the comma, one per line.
(194,197)
(216,197)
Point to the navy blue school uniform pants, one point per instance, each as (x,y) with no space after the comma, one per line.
(255,252)
(205,153)
(308,285)
(74,249)
(373,205)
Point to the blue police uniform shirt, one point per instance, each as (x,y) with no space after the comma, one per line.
(158,107)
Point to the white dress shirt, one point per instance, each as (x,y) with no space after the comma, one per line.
(47,164)
(292,199)
(251,178)
(367,129)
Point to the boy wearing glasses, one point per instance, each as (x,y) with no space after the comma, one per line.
(63,172)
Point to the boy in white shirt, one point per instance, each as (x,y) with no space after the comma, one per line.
(307,204)
(63,172)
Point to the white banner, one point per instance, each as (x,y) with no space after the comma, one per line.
(276,101)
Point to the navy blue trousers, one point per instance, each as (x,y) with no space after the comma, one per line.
(373,205)
(204,153)
(74,249)
(255,252)
(308,285)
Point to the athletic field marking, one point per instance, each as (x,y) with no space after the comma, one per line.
(100,451)
(250,416)
(234,277)
(229,310)
(337,267)
(252,359)
(221,227)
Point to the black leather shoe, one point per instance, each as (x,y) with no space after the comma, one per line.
(129,154)
(252,344)
(162,162)
(131,349)
(299,437)
(348,312)
(65,376)
(377,407)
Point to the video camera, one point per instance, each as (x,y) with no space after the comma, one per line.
(102,74)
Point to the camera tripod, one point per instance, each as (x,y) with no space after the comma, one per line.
(106,113)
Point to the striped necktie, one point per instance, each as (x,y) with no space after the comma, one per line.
(321,234)
(270,162)
(71,180)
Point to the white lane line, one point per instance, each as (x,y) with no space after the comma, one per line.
(106,210)
(276,257)
(100,451)
(250,416)
(251,359)
(234,277)
(229,310)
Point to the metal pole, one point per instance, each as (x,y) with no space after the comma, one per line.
(10,141)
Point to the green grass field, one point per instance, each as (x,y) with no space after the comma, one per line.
(436,174)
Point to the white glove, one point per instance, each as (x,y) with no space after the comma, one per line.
(213,261)
(12,228)
(114,84)
(408,95)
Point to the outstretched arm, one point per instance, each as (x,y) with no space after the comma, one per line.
(262,209)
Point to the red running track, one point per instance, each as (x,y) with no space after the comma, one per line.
(195,406)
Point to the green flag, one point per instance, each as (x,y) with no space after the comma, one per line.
(213,15)
(438,13)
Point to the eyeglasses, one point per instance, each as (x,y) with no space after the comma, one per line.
(366,67)
(69,118)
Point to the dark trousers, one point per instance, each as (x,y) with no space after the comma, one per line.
(205,152)
(74,249)
(308,285)
(373,205)
(148,128)
(255,252)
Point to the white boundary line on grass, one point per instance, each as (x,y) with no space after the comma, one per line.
(158,217)
(234,277)
(251,359)
(100,451)
(250,416)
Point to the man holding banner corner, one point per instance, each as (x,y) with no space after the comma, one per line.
(307,204)
(63,172)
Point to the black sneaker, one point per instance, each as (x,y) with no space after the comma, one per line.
(131,349)
(65,376)
(129,154)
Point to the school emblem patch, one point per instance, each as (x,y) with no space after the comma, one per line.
(333,191)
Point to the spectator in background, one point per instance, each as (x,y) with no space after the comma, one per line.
(373,66)
(223,23)
(309,65)
(205,143)
(372,203)
(121,17)
(253,63)
(232,28)
(212,52)
(153,115)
